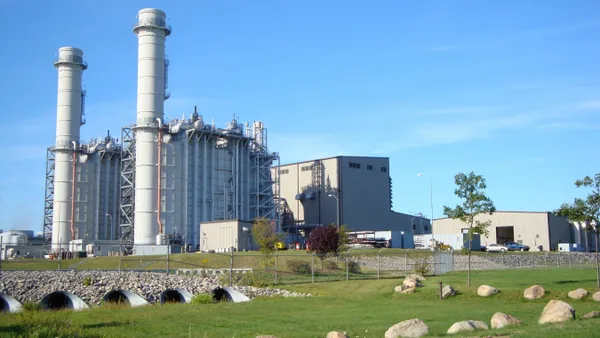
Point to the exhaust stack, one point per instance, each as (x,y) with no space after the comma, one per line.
(69,112)
(152,31)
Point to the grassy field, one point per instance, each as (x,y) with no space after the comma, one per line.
(362,308)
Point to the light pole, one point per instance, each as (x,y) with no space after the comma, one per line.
(111,225)
(430,202)
(337,200)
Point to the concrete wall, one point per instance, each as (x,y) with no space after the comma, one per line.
(222,235)
(530,228)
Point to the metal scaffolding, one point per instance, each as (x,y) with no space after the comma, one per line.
(267,200)
(127,200)
(49,194)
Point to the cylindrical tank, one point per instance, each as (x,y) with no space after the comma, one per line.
(13,238)
(152,31)
(258,133)
(70,65)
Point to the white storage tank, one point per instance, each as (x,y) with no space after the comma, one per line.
(13,238)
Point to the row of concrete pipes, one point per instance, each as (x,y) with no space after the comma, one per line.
(65,300)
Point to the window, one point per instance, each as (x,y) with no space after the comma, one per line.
(354,165)
(426,228)
(383,169)
(369,167)
(306,168)
(285,171)
(414,227)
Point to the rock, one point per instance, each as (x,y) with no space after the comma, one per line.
(337,334)
(411,283)
(556,311)
(400,288)
(500,320)
(408,328)
(534,292)
(596,296)
(486,291)
(409,291)
(416,277)
(592,314)
(448,291)
(578,294)
(467,325)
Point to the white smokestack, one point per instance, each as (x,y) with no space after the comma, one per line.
(151,30)
(70,65)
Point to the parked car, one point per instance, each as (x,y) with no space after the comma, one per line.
(496,248)
(514,246)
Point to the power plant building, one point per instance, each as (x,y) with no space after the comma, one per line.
(162,178)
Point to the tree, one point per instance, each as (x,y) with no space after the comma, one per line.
(324,241)
(471,189)
(587,211)
(265,234)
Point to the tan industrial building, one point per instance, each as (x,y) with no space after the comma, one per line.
(528,228)
(222,236)
(350,190)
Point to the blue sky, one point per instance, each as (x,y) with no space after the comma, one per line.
(509,89)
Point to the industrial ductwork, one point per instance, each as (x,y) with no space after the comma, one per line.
(176,295)
(124,297)
(9,304)
(60,300)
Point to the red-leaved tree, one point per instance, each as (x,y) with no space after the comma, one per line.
(324,242)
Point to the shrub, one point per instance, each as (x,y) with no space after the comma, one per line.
(87,281)
(31,307)
(421,266)
(299,267)
(464,251)
(257,279)
(329,265)
(203,298)
(353,267)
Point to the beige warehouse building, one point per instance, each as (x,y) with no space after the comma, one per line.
(528,228)
(359,188)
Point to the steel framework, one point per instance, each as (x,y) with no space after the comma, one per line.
(49,194)
(266,194)
(127,184)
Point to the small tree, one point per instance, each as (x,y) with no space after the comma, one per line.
(266,236)
(324,241)
(471,189)
(587,211)
(344,239)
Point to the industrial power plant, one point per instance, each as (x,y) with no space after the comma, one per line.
(160,180)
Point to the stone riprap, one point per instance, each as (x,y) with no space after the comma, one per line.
(32,286)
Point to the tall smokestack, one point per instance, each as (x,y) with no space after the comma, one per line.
(152,31)
(69,109)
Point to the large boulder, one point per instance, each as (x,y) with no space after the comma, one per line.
(486,291)
(416,277)
(500,320)
(467,325)
(409,291)
(448,291)
(596,296)
(411,283)
(400,288)
(337,334)
(534,292)
(556,311)
(592,314)
(408,328)
(578,294)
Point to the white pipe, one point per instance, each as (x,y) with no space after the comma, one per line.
(70,65)
(152,31)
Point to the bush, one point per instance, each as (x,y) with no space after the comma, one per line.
(257,279)
(330,265)
(87,281)
(203,298)
(353,267)
(31,307)
(421,266)
(299,267)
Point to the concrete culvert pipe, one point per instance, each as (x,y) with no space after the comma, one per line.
(9,304)
(229,294)
(124,297)
(176,295)
(59,300)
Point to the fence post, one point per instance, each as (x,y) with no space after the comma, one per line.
(558,260)
(276,268)
(581,259)
(312,268)
(570,265)
(378,263)
(347,259)
(120,256)
(168,249)
(502,256)
(231,267)
(546,261)
(405,262)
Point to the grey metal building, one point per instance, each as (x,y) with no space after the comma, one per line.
(357,190)
(529,228)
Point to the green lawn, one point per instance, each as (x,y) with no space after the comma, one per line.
(363,308)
